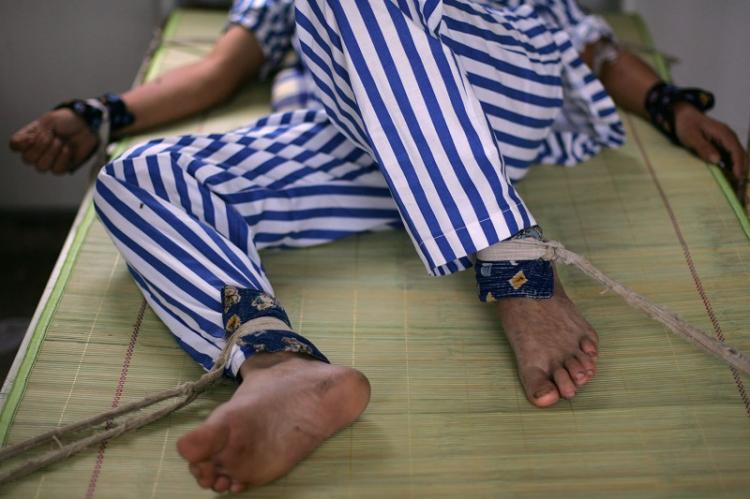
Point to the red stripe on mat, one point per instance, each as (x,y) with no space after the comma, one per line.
(116,399)
(689,259)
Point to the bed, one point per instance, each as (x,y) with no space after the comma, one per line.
(447,417)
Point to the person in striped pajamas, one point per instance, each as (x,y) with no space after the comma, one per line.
(404,113)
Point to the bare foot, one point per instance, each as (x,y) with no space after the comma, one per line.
(286,406)
(555,347)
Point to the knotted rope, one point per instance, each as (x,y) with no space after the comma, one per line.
(185,393)
(525,249)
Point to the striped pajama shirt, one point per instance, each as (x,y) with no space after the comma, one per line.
(417,113)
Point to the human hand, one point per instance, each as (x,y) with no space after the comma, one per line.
(713,142)
(58,141)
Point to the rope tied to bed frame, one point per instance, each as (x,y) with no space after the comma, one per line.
(186,393)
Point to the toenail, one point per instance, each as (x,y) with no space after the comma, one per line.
(541,393)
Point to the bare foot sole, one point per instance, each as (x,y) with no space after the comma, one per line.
(286,406)
(555,348)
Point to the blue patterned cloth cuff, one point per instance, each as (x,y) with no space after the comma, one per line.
(528,279)
(516,279)
(242,305)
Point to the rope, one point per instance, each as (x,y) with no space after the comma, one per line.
(525,249)
(185,393)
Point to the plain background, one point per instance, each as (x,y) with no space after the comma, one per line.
(53,51)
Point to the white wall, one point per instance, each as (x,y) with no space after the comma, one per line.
(712,40)
(53,51)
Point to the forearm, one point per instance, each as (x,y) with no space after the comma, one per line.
(627,79)
(189,89)
(177,94)
(62,139)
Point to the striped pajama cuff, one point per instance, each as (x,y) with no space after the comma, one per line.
(272,24)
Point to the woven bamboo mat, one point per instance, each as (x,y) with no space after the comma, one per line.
(447,417)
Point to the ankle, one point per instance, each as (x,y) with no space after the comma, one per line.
(262,361)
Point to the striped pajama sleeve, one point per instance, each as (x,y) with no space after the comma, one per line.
(588,120)
(272,24)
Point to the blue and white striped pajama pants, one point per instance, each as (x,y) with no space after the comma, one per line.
(420,102)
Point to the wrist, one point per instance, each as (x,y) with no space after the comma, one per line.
(683,109)
(666,104)
(119,115)
(103,115)
(92,112)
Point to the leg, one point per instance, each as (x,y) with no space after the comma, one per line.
(554,345)
(188,215)
(395,89)
(439,152)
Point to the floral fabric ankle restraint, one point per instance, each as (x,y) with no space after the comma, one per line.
(516,279)
(244,305)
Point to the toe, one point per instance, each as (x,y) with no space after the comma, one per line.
(564,383)
(204,473)
(238,487)
(206,483)
(576,371)
(589,347)
(222,483)
(202,443)
(589,365)
(195,471)
(539,389)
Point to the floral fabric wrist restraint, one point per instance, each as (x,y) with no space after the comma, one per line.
(102,115)
(511,279)
(661,100)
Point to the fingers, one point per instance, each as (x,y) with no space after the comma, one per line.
(49,156)
(83,145)
(713,142)
(24,138)
(63,162)
(701,146)
(36,150)
(55,142)
(40,148)
(726,138)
